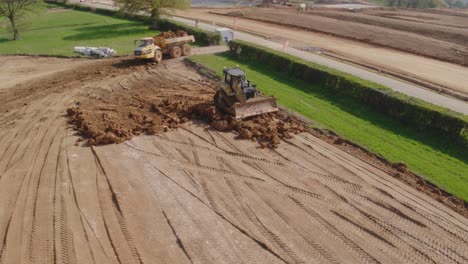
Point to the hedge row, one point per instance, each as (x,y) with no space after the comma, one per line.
(202,37)
(408,110)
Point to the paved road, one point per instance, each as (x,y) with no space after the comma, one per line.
(397,85)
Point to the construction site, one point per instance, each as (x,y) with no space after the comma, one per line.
(164,156)
(185,191)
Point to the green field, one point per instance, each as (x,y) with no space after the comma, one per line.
(52,30)
(441,162)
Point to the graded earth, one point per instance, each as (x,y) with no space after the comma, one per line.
(191,194)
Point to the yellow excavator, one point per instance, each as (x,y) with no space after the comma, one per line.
(238,97)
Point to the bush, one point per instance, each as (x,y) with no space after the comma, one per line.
(408,110)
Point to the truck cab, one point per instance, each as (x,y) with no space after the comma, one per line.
(145,49)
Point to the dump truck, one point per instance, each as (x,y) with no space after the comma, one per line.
(174,44)
(241,99)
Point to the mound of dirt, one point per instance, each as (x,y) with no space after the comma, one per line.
(170,34)
(108,123)
(266,129)
(114,117)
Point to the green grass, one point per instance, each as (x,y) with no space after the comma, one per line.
(438,160)
(56,33)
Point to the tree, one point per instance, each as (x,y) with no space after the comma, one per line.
(11,10)
(154,7)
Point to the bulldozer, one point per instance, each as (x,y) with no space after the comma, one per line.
(239,98)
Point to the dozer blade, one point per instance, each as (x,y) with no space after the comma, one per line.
(255,106)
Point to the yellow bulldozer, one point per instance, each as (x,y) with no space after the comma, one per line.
(238,97)
(174,44)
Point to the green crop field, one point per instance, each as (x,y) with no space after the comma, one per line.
(443,163)
(52,30)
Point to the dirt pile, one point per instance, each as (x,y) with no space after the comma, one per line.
(170,34)
(120,118)
(266,129)
(107,123)
(161,105)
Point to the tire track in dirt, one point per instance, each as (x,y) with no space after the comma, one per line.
(231,154)
(390,230)
(178,240)
(38,161)
(346,182)
(364,256)
(42,234)
(323,253)
(399,213)
(385,183)
(12,210)
(195,222)
(432,222)
(134,256)
(81,216)
(244,232)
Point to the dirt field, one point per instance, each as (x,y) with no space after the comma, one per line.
(433,35)
(427,46)
(193,194)
(24,72)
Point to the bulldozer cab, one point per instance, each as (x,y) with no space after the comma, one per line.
(235,79)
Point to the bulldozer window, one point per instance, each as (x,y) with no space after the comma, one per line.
(234,83)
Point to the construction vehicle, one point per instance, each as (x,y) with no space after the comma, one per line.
(154,48)
(239,98)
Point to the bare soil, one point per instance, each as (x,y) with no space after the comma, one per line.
(195,194)
(107,118)
(27,68)
(439,36)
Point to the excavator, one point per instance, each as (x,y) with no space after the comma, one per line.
(239,98)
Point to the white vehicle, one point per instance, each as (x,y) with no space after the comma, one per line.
(100,52)
(302,7)
(225,33)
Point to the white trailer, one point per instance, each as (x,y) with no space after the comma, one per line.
(226,34)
